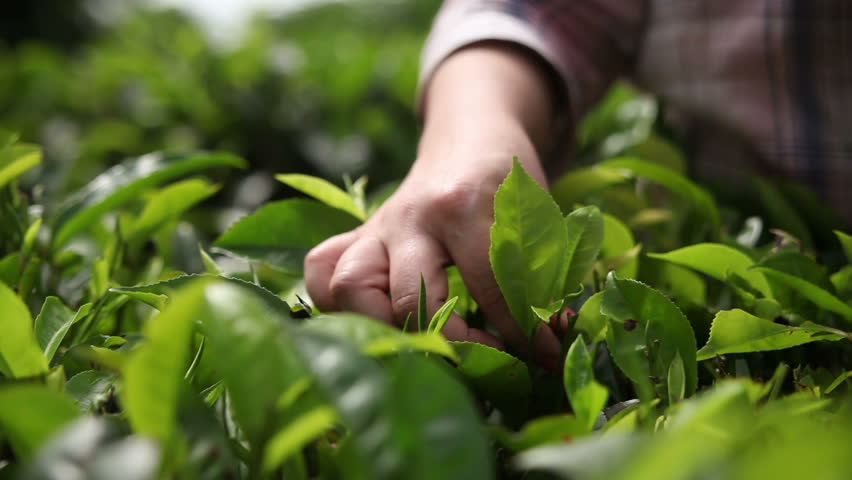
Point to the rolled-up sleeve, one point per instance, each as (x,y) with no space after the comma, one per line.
(588,42)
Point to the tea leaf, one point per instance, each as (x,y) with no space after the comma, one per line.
(154,372)
(20,355)
(497,376)
(646,332)
(585,227)
(324,191)
(53,323)
(169,203)
(529,239)
(15,160)
(717,261)
(587,396)
(123,183)
(737,331)
(282,233)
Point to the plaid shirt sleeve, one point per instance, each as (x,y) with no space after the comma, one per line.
(589,42)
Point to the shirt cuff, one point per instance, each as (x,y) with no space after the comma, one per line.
(457,29)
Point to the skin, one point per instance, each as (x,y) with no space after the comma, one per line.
(484,104)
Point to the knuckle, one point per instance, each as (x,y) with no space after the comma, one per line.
(405,303)
(456,199)
(343,283)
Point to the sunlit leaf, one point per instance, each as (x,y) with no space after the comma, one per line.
(736,331)
(20,355)
(529,239)
(154,372)
(281,233)
(15,160)
(587,396)
(324,191)
(585,227)
(645,333)
(376,338)
(123,183)
(717,261)
(169,203)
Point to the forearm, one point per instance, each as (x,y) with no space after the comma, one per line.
(485,87)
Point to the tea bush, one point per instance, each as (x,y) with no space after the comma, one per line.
(708,336)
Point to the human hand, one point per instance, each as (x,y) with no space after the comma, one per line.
(442,212)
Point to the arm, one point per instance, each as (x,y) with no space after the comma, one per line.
(488,99)
(485,104)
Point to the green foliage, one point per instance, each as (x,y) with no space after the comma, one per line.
(736,331)
(150,357)
(20,355)
(281,233)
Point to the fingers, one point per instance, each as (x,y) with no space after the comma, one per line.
(360,279)
(457,330)
(319,267)
(424,256)
(409,259)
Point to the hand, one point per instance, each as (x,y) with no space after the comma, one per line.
(442,212)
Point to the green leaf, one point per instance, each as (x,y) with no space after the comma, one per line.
(20,355)
(324,191)
(542,431)
(154,372)
(496,376)
(30,237)
(388,419)
(842,281)
(573,187)
(717,261)
(123,183)
(90,389)
(529,239)
(645,333)
(282,233)
(296,435)
(700,199)
(676,380)
(618,239)
(168,204)
(737,331)
(250,352)
(846,243)
(168,287)
(15,160)
(815,294)
(210,265)
(376,338)
(53,322)
(590,321)
(31,414)
(838,381)
(544,313)
(436,325)
(781,213)
(587,397)
(585,228)
(422,314)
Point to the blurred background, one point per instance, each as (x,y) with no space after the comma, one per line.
(315,86)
